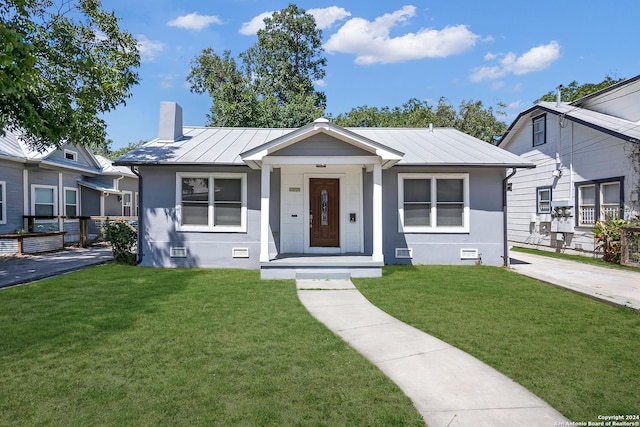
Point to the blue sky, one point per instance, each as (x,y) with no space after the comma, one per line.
(382,53)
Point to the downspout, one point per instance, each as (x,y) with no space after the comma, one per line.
(140,215)
(505,242)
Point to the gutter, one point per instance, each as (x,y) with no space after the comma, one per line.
(505,243)
(140,216)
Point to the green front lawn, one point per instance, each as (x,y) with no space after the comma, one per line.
(580,355)
(585,259)
(119,345)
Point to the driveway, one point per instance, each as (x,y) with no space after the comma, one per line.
(28,268)
(612,285)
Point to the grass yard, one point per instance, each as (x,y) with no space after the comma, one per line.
(119,345)
(585,259)
(580,355)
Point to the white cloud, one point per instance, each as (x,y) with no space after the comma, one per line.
(535,59)
(320,83)
(371,42)
(489,56)
(167,81)
(149,49)
(325,17)
(257,23)
(194,21)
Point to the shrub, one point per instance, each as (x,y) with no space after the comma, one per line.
(122,238)
(608,238)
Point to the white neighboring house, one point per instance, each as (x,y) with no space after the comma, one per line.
(587,157)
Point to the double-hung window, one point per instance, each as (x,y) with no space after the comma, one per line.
(539,130)
(3,202)
(543,199)
(44,202)
(126,203)
(71,202)
(599,200)
(212,202)
(436,203)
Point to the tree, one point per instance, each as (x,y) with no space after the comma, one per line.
(471,117)
(124,150)
(573,90)
(274,84)
(62,64)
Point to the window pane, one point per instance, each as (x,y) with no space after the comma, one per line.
(417,190)
(417,214)
(227,190)
(450,215)
(44,210)
(71,210)
(195,189)
(195,214)
(611,193)
(227,214)
(44,195)
(449,190)
(588,194)
(70,197)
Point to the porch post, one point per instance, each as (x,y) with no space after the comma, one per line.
(265,184)
(377,213)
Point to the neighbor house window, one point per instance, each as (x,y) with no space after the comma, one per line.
(539,130)
(3,202)
(543,200)
(215,202)
(71,155)
(599,200)
(71,202)
(44,202)
(433,202)
(137,204)
(126,203)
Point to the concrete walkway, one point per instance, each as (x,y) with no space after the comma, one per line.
(612,285)
(29,268)
(447,386)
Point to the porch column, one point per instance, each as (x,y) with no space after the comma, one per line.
(265,184)
(377,213)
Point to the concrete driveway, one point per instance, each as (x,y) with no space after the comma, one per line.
(29,268)
(612,285)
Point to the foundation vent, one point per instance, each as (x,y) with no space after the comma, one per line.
(240,252)
(404,252)
(469,254)
(178,252)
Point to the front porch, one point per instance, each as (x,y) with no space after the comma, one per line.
(306,266)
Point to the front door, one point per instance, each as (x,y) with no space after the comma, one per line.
(324,212)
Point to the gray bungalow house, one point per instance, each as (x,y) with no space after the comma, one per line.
(58,186)
(319,197)
(587,157)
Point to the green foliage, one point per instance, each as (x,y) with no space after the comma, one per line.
(573,90)
(123,239)
(608,238)
(471,117)
(273,84)
(124,150)
(62,64)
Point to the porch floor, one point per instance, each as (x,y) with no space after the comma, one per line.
(312,266)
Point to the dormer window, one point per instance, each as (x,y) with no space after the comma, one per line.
(71,155)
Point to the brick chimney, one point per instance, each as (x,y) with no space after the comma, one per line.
(170,122)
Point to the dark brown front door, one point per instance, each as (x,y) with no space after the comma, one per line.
(324,212)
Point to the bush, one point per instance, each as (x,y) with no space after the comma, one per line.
(123,240)
(608,238)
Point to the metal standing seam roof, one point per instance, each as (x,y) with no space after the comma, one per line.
(421,146)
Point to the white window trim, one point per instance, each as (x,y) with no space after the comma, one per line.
(538,199)
(211,228)
(543,132)
(433,228)
(136,207)
(130,193)
(3,202)
(77,202)
(74,154)
(55,202)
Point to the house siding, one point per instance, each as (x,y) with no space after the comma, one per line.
(204,249)
(582,154)
(485,220)
(14,193)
